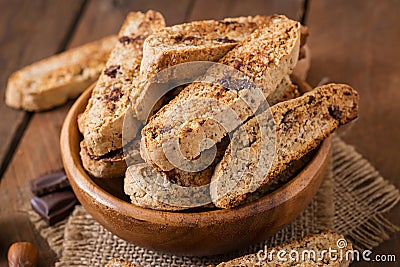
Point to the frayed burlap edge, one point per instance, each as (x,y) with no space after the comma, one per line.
(362,197)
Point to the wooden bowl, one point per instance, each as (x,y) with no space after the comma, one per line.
(200,233)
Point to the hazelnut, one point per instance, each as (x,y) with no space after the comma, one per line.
(22,254)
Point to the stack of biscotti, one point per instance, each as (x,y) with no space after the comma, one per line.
(52,81)
(212,49)
(324,249)
(118,262)
(103,117)
(250,164)
(265,57)
(261,53)
(202,40)
(284,90)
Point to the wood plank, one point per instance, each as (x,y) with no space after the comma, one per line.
(39,150)
(25,37)
(355,42)
(211,9)
(104,17)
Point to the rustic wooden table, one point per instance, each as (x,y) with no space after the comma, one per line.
(355,42)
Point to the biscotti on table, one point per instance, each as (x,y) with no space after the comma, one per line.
(52,81)
(327,248)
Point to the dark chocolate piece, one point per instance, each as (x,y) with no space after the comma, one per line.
(49,183)
(54,207)
(112,70)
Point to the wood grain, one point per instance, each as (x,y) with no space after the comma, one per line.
(25,37)
(355,42)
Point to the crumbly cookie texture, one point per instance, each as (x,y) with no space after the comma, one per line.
(294,168)
(110,165)
(320,244)
(101,123)
(198,40)
(286,90)
(52,81)
(140,186)
(201,110)
(288,131)
(113,164)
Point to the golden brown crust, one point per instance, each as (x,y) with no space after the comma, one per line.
(101,122)
(207,40)
(113,164)
(52,81)
(109,166)
(320,243)
(300,126)
(118,262)
(266,56)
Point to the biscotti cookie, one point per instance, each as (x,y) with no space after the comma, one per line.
(137,186)
(324,249)
(141,176)
(101,122)
(295,127)
(113,164)
(110,165)
(207,40)
(52,81)
(282,178)
(266,56)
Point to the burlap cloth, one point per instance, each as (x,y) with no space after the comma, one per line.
(352,200)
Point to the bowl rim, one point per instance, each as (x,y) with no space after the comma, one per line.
(263,204)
